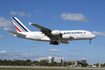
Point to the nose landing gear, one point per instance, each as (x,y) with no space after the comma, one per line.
(90,41)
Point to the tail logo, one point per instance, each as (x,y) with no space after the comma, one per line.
(19,26)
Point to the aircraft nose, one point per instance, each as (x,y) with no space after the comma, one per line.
(94,36)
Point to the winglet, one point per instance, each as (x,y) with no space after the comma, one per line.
(30,23)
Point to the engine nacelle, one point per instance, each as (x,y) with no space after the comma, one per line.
(55,32)
(67,36)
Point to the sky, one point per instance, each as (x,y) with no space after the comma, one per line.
(53,14)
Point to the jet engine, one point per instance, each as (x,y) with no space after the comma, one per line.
(67,36)
(55,32)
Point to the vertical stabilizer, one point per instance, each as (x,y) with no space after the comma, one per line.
(20,27)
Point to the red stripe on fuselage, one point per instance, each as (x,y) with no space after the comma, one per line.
(17,28)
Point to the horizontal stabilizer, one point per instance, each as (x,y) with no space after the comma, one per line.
(15,33)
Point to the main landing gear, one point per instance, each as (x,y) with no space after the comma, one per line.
(54,42)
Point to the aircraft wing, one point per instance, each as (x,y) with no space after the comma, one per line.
(15,33)
(47,32)
(41,27)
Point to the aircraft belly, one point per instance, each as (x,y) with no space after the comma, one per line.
(75,38)
(65,39)
(47,40)
(82,38)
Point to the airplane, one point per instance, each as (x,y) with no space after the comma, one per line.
(54,37)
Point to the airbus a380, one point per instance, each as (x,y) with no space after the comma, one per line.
(55,37)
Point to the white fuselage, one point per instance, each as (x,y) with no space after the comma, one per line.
(67,35)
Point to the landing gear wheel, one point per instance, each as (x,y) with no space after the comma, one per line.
(54,42)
